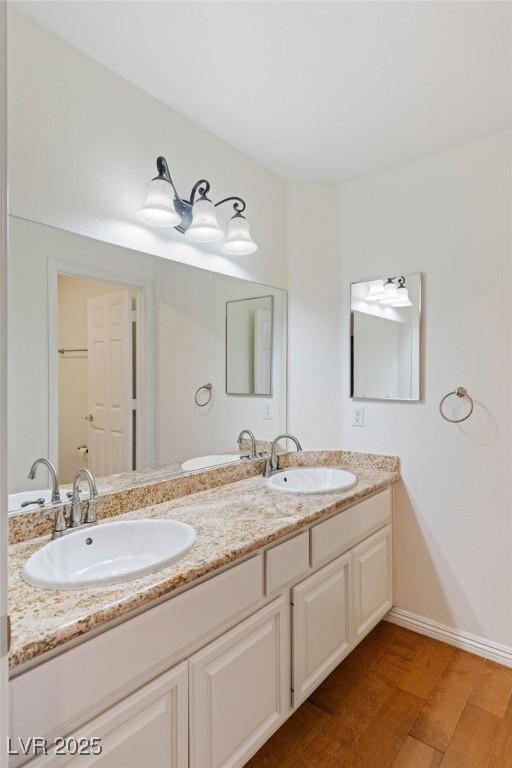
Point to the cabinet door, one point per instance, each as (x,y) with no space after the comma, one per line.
(240,689)
(373,582)
(149,728)
(321,625)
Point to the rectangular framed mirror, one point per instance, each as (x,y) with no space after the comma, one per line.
(385,320)
(249,344)
(119,362)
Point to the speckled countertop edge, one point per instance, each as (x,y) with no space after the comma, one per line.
(232,521)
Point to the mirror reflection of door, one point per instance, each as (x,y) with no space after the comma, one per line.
(97,398)
(249,334)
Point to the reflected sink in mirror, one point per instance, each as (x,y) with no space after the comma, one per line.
(203,462)
(30,500)
(312,480)
(108,553)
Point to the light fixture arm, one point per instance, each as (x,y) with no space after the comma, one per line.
(198,187)
(164,173)
(239,205)
(202,187)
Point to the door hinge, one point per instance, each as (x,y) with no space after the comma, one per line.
(5,635)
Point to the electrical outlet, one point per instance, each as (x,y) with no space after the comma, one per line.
(267,411)
(358,416)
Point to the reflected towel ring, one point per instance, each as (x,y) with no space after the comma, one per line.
(460,392)
(208,388)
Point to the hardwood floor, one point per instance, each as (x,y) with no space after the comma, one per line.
(401,700)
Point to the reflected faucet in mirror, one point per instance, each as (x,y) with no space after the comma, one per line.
(251,438)
(53,474)
(272,463)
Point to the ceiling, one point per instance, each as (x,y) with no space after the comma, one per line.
(312,90)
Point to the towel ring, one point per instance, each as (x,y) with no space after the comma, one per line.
(460,392)
(208,388)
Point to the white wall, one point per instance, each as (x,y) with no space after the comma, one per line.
(448,216)
(315,330)
(92,138)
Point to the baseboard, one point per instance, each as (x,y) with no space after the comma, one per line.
(465,640)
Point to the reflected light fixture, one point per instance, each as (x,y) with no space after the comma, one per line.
(196,217)
(402,294)
(391,292)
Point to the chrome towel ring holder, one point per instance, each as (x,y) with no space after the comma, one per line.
(459,392)
(203,388)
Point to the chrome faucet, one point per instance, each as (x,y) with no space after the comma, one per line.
(272,463)
(53,474)
(251,438)
(75,518)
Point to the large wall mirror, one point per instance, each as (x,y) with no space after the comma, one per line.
(385,338)
(120,361)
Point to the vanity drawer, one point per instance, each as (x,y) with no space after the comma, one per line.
(346,529)
(67,690)
(286,562)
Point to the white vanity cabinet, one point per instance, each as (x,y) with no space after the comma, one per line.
(205,678)
(321,625)
(148,729)
(240,689)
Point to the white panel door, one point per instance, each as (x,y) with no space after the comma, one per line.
(373,581)
(240,689)
(321,625)
(110,410)
(148,729)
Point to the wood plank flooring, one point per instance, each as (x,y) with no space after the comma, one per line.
(401,700)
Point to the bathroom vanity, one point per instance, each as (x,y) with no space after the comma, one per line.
(198,664)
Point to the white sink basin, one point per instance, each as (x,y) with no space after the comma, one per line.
(108,553)
(203,462)
(312,480)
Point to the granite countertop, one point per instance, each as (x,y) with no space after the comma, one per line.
(231,521)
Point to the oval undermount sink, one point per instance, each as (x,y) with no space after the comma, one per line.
(203,462)
(312,480)
(108,553)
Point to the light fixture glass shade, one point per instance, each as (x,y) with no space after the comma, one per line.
(390,293)
(204,227)
(159,210)
(402,299)
(375,290)
(239,241)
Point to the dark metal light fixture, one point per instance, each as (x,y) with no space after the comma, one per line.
(196,217)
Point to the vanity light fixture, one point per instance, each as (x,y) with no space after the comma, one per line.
(196,217)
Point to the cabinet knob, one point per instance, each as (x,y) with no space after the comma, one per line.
(89,417)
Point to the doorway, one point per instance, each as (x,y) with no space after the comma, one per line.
(99,367)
